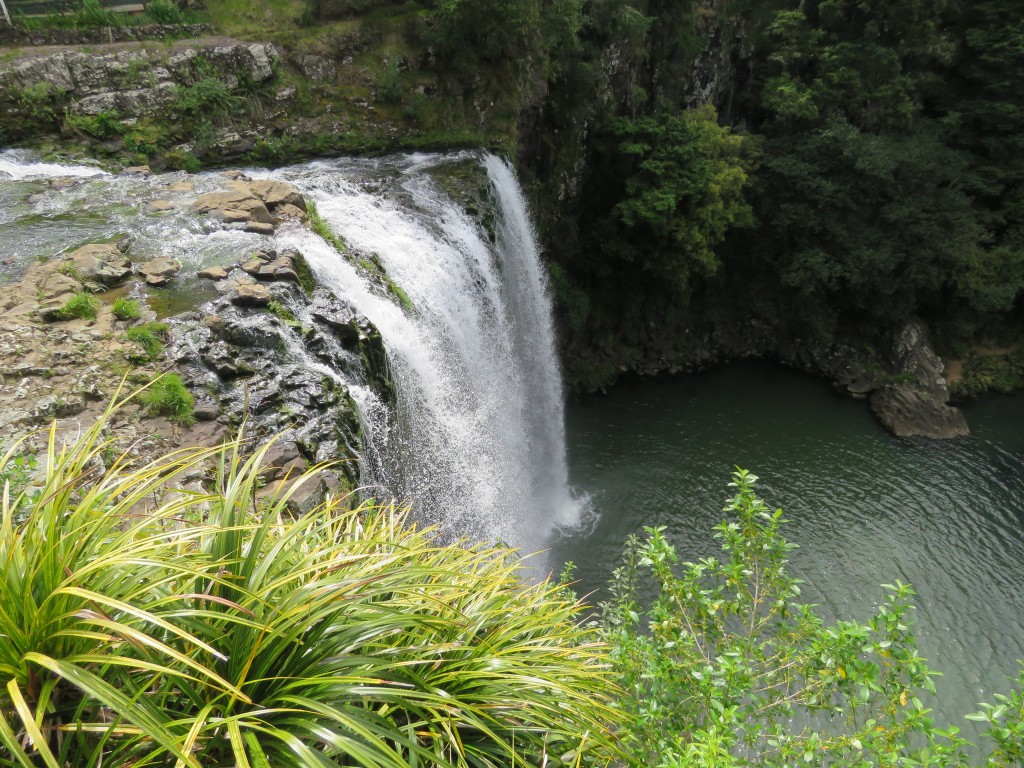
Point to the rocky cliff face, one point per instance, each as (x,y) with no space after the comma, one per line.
(130,83)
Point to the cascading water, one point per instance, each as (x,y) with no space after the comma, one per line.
(474,439)
(477,442)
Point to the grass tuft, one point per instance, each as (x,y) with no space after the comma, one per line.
(127,309)
(168,396)
(82,306)
(149,336)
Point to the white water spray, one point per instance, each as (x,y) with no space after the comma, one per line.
(477,443)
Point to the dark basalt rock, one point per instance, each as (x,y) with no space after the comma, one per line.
(909,411)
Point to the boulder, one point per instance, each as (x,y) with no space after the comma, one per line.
(225,361)
(912,355)
(236,204)
(289,211)
(281,268)
(103,263)
(159,271)
(318,68)
(908,411)
(259,228)
(159,206)
(278,193)
(213,273)
(915,400)
(250,295)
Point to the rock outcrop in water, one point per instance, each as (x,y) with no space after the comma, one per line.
(915,402)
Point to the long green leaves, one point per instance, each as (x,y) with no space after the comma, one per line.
(138,630)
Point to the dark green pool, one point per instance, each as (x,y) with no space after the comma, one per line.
(865,508)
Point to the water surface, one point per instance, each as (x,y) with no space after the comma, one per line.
(865,508)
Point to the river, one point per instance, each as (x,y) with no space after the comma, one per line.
(865,508)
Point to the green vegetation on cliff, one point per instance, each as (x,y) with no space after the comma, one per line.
(877,173)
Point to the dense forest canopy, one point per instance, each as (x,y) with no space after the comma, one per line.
(866,167)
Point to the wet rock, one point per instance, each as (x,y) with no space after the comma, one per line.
(180,186)
(159,271)
(908,411)
(259,228)
(138,170)
(289,211)
(237,204)
(125,242)
(281,268)
(253,266)
(103,263)
(159,206)
(213,273)
(250,295)
(278,193)
(225,361)
(247,332)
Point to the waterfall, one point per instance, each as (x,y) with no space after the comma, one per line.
(476,440)
(475,437)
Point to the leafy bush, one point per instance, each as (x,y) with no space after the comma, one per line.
(243,636)
(127,309)
(207,99)
(164,12)
(727,668)
(82,306)
(168,396)
(103,126)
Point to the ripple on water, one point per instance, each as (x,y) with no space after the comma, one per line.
(864,507)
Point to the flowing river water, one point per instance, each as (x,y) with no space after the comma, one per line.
(865,508)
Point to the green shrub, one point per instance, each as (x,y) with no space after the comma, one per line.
(168,396)
(724,667)
(150,337)
(164,12)
(209,99)
(93,14)
(82,306)
(105,125)
(127,309)
(244,636)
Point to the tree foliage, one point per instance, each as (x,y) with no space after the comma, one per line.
(683,194)
(725,666)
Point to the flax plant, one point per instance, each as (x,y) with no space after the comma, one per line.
(219,630)
(79,636)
